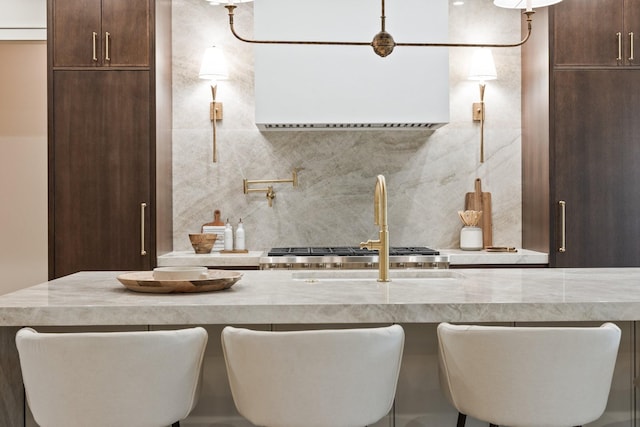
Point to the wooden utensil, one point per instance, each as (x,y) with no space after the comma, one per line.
(481,201)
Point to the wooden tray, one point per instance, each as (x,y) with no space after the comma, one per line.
(143,281)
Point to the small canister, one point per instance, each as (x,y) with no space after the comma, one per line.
(471,238)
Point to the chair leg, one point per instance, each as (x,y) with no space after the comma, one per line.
(176,424)
(462,419)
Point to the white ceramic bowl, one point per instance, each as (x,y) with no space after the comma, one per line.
(180,273)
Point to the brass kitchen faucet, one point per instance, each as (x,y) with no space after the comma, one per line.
(380,219)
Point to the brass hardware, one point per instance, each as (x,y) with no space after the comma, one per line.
(215,111)
(380,219)
(95,55)
(619,36)
(142,210)
(215,114)
(478,111)
(631,45)
(270,193)
(478,116)
(107,35)
(382,43)
(563,226)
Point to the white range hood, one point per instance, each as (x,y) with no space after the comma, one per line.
(336,87)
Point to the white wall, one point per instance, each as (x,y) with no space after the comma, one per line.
(23,164)
(23,19)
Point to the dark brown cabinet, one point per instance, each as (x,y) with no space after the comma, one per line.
(109,146)
(99,33)
(595,169)
(581,148)
(102,170)
(596,32)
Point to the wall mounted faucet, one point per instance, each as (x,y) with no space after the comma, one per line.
(270,193)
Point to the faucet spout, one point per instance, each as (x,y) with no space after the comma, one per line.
(380,219)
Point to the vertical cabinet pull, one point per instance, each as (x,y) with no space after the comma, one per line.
(563,226)
(619,35)
(107,57)
(631,46)
(143,206)
(95,55)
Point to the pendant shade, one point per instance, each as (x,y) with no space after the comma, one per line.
(218,2)
(524,4)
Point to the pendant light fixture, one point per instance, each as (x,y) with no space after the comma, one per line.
(383,43)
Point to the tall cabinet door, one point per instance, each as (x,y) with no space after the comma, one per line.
(101,170)
(595,168)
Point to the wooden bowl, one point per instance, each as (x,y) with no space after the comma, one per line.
(202,242)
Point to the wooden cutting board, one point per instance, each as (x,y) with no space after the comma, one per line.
(481,201)
(216,220)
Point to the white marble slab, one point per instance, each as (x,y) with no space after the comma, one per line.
(272,297)
(213,259)
(457,257)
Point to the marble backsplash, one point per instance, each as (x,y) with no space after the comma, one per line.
(427,172)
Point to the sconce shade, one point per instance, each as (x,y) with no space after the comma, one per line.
(214,66)
(482,66)
(524,4)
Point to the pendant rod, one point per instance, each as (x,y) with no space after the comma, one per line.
(231,7)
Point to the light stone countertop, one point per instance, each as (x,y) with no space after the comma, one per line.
(457,257)
(214,259)
(273,297)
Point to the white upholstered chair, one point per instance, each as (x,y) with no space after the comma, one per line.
(313,378)
(528,376)
(106,379)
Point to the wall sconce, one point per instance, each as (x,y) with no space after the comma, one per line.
(383,43)
(214,68)
(482,69)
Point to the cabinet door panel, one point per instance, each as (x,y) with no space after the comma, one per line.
(127,22)
(73,23)
(632,30)
(584,32)
(101,170)
(596,153)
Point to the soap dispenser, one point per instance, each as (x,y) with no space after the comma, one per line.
(228,236)
(240,236)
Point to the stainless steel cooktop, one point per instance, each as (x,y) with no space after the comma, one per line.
(351,257)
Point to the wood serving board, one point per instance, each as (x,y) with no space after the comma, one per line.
(481,201)
(143,281)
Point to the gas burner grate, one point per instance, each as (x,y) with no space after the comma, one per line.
(349,251)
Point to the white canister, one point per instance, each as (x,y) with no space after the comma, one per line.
(471,238)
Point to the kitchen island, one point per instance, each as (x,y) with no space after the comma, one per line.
(282,299)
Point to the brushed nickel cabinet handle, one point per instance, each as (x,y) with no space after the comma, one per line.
(107,35)
(631,45)
(619,35)
(95,55)
(143,206)
(563,226)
